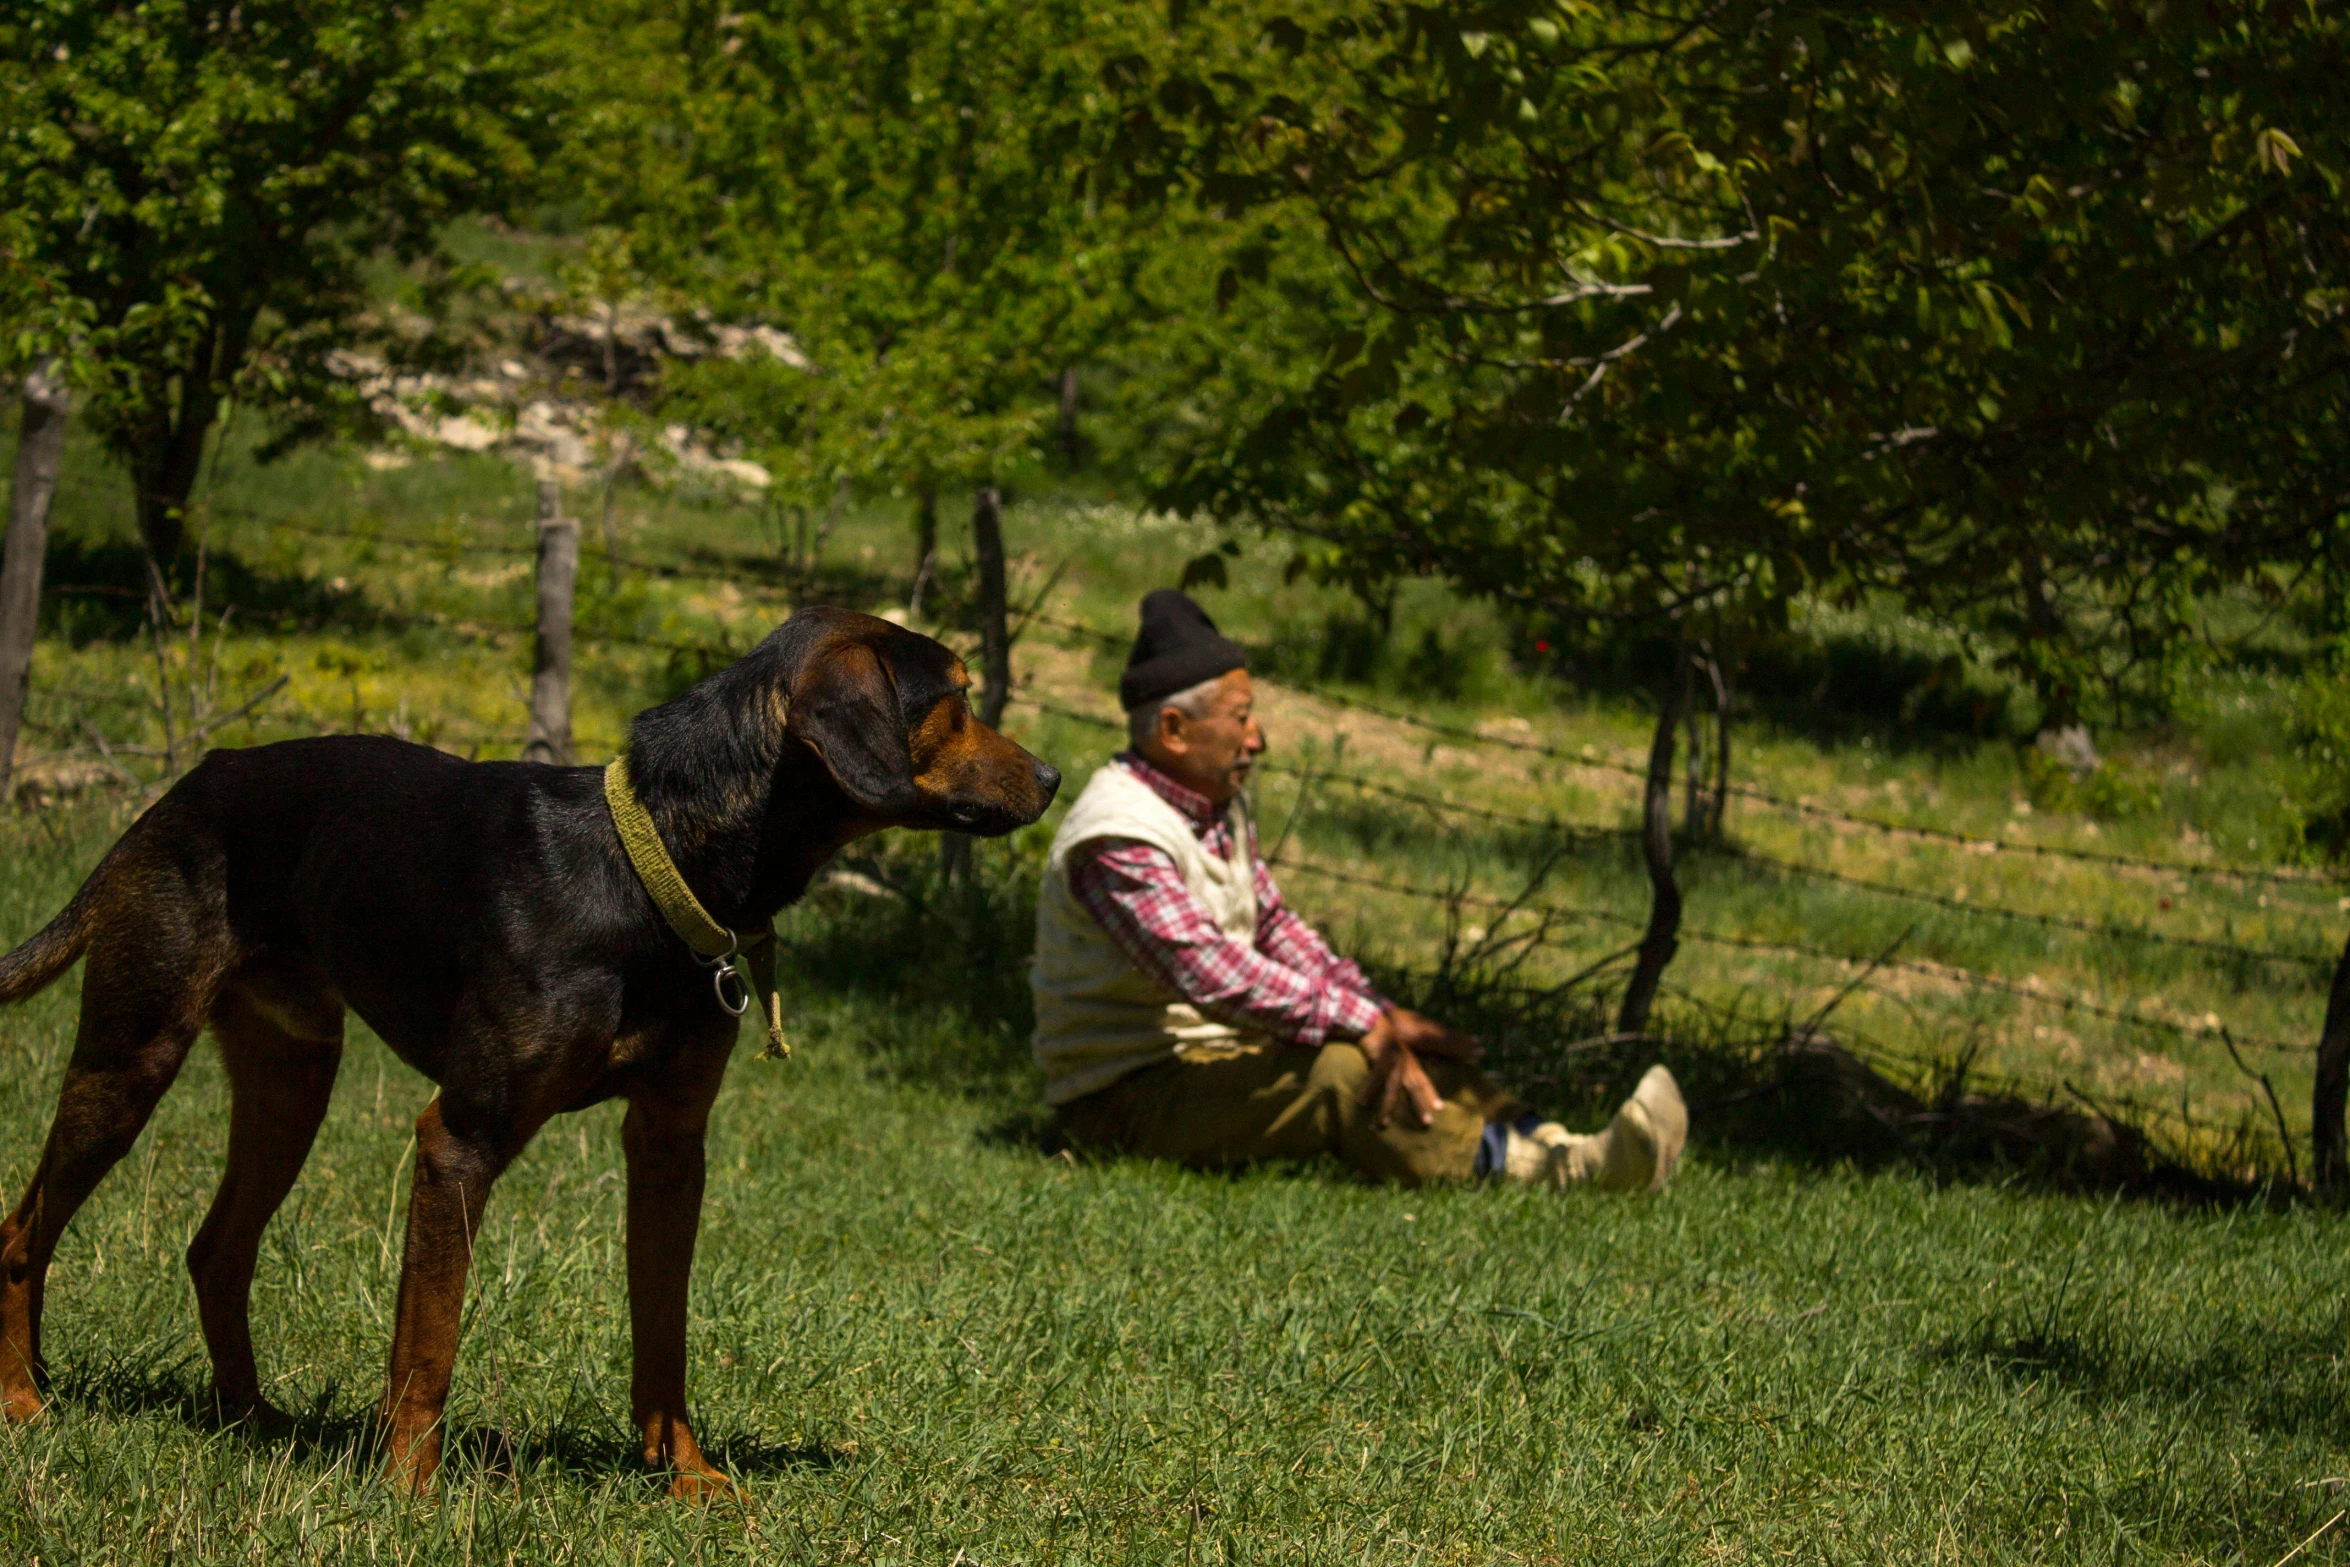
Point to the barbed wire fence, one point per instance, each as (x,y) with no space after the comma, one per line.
(1858,969)
(2234,1041)
(2189,1132)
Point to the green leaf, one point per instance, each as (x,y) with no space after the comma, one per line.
(1206,570)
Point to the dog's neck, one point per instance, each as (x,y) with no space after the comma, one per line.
(749,813)
(759,850)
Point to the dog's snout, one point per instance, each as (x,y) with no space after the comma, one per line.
(1048,780)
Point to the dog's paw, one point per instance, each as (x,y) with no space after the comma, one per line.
(706,1485)
(256,1416)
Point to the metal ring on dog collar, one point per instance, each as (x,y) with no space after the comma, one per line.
(728,966)
(740,1001)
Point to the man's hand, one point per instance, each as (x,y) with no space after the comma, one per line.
(1424,1036)
(1396,1073)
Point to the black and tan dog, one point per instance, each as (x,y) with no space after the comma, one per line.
(484,919)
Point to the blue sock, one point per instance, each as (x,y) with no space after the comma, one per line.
(1493,1149)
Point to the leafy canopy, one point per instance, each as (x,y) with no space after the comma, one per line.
(902,186)
(210,180)
(1699,306)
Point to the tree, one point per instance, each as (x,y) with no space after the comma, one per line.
(211,178)
(1708,305)
(42,349)
(907,188)
(1677,314)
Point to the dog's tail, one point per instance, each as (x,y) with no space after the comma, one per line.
(34,966)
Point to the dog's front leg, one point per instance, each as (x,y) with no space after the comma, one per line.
(662,1136)
(452,1186)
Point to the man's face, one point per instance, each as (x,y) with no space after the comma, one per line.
(1214,752)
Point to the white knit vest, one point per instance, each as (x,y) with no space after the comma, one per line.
(1098,1017)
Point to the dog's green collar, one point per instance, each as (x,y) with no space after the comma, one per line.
(738,971)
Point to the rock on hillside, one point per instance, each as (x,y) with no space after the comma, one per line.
(539,410)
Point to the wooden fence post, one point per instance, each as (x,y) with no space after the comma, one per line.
(2330,1158)
(995,645)
(925,545)
(40,454)
(1663,936)
(995,623)
(550,682)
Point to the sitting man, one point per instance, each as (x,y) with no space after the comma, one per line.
(1183,1011)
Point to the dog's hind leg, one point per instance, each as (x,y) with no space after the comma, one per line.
(282,1042)
(144,997)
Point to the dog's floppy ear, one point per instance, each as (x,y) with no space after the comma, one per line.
(845,706)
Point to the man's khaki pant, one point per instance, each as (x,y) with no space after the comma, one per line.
(1236,1104)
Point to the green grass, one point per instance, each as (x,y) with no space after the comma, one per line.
(915,1335)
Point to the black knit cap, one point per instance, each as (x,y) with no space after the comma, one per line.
(1177,648)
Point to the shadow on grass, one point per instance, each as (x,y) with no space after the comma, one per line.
(2288,1385)
(97,592)
(1829,690)
(323,1436)
(1766,1085)
(1360,647)
(588,1453)
(935,975)
(182,1390)
(934,972)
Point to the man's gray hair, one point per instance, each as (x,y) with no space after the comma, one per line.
(1192,702)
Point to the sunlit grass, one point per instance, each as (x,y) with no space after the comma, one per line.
(917,1337)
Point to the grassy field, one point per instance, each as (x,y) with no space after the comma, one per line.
(919,1339)
(919,1336)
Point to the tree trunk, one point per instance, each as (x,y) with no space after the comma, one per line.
(2331,1161)
(164,483)
(1693,813)
(169,454)
(40,455)
(832,515)
(1068,429)
(1662,938)
(1721,801)
(2044,635)
(550,684)
(995,625)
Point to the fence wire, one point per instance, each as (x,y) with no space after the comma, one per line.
(1581,831)
(1973,979)
(1978,843)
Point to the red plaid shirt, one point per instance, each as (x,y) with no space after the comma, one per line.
(1289,985)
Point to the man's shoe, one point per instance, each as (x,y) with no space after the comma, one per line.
(1637,1153)
(1527,1155)
(1668,1119)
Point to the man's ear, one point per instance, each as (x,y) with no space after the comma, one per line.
(846,708)
(1170,735)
